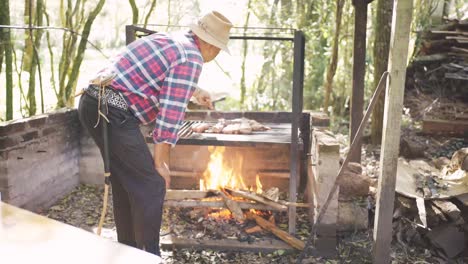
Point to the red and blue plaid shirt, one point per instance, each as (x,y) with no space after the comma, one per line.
(157,75)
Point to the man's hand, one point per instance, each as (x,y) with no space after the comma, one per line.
(203,98)
(161,161)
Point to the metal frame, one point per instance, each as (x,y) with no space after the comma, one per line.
(298,40)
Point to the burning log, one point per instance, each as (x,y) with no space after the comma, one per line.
(265,224)
(186,194)
(257,198)
(233,207)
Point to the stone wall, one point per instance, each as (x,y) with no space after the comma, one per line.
(39,158)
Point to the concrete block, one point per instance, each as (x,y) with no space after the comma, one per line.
(325,157)
(352,216)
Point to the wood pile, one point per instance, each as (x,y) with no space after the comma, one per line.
(438,79)
(449,39)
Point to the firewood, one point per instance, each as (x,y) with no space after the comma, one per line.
(283,235)
(233,207)
(271,219)
(257,198)
(254,229)
(186,194)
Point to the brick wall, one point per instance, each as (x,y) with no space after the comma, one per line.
(39,158)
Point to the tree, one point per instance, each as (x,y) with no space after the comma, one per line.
(69,89)
(6,51)
(72,56)
(243,87)
(331,70)
(33,16)
(383,21)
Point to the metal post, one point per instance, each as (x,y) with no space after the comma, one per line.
(297,101)
(129,34)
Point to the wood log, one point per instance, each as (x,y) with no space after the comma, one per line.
(254,229)
(254,197)
(233,207)
(186,194)
(218,204)
(283,235)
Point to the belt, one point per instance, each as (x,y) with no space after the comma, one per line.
(111,97)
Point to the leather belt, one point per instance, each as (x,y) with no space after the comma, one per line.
(111,97)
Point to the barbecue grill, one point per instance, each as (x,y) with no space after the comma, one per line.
(290,129)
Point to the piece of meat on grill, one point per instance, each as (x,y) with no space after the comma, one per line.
(200,127)
(231,129)
(245,128)
(218,127)
(256,126)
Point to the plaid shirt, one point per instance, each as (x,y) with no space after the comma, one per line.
(157,75)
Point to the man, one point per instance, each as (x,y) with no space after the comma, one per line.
(153,79)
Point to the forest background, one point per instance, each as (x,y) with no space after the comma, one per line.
(42,69)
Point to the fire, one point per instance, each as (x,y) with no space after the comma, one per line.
(258,184)
(223,171)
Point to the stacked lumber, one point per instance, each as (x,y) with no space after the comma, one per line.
(438,77)
(448,39)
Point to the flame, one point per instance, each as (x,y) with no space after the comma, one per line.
(223,171)
(258,184)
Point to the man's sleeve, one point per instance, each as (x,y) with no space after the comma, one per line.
(178,87)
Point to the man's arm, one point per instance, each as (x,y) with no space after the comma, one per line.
(161,161)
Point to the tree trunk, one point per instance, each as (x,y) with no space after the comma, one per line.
(5,40)
(381,49)
(243,86)
(134,12)
(334,57)
(35,40)
(150,11)
(71,85)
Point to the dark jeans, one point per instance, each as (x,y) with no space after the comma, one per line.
(137,188)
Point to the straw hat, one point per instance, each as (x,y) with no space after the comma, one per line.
(214,29)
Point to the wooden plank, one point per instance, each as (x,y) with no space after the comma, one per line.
(219,204)
(398,57)
(261,174)
(264,246)
(254,197)
(186,194)
(436,126)
(449,32)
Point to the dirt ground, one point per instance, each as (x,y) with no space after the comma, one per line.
(81,208)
